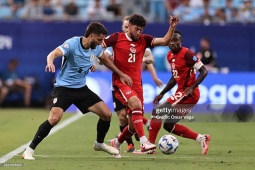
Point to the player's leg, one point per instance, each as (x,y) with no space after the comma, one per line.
(120,109)
(92,102)
(172,125)
(59,104)
(3,93)
(146,122)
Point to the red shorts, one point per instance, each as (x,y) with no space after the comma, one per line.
(123,92)
(184,103)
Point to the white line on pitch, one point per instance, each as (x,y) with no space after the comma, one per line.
(58,127)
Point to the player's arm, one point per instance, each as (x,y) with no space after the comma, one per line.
(108,63)
(154,76)
(167,38)
(171,83)
(50,59)
(202,74)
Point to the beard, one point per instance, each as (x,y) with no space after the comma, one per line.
(133,37)
(93,45)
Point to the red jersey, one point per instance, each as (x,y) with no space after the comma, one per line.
(128,54)
(183,66)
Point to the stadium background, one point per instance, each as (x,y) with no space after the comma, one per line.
(31,41)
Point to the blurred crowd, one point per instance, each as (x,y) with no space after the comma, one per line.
(189,11)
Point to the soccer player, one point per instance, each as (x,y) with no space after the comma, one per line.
(120,108)
(129,50)
(184,65)
(70,87)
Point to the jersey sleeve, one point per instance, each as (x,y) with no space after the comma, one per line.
(192,60)
(109,51)
(110,40)
(66,47)
(148,39)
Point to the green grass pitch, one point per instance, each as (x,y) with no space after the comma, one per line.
(231,146)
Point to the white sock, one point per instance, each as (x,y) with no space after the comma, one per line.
(98,144)
(143,139)
(29,149)
(199,137)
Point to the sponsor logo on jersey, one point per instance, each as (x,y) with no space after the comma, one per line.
(92,58)
(66,45)
(55,100)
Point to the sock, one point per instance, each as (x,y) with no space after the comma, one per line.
(102,129)
(184,131)
(126,133)
(137,118)
(199,137)
(42,132)
(155,126)
(128,140)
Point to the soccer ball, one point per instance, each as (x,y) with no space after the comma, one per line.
(168,144)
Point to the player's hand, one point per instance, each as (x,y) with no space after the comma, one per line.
(126,79)
(188,91)
(173,21)
(50,68)
(157,99)
(93,68)
(158,82)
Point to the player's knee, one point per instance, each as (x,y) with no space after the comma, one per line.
(107,116)
(168,126)
(55,116)
(134,102)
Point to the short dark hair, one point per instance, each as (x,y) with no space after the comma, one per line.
(95,28)
(178,32)
(137,20)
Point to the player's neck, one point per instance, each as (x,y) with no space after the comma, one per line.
(85,43)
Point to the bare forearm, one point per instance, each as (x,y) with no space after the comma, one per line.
(171,83)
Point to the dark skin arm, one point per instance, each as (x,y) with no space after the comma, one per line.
(171,83)
(189,90)
(202,74)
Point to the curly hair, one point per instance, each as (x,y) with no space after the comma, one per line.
(137,20)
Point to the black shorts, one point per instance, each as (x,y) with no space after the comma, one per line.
(117,105)
(82,98)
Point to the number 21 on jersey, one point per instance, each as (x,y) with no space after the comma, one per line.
(131,58)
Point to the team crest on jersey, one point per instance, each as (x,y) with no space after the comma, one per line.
(173,66)
(132,50)
(55,100)
(66,45)
(128,92)
(92,58)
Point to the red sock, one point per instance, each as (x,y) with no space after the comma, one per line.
(126,133)
(184,131)
(137,118)
(145,120)
(155,126)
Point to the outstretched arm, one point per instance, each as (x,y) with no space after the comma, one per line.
(108,63)
(167,38)
(154,76)
(50,59)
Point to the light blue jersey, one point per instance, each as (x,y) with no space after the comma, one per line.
(76,62)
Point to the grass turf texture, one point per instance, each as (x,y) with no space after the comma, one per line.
(231,146)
